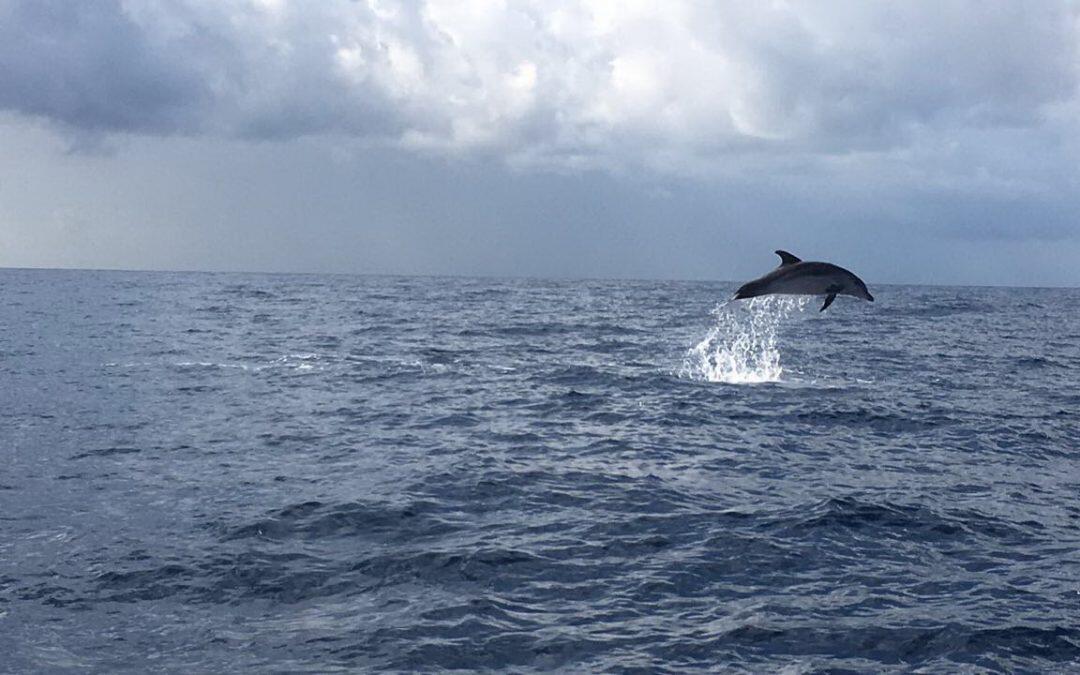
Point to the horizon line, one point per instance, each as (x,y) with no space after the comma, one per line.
(451,275)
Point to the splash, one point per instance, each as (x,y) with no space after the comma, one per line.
(741,348)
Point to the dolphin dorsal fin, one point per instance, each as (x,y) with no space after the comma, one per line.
(787,259)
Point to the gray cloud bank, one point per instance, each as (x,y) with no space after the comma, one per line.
(563,81)
(900,122)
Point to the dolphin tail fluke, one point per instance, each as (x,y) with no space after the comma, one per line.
(828,301)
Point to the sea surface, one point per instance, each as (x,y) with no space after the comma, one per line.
(300,473)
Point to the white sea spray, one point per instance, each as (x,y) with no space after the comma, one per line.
(742,346)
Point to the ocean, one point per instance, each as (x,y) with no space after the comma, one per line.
(305,473)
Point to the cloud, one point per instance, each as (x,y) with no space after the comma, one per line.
(842,121)
(89,66)
(563,81)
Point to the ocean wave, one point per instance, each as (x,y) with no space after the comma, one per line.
(390,474)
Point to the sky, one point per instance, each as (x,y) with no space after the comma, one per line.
(913,142)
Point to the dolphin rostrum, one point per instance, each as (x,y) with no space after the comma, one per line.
(795,277)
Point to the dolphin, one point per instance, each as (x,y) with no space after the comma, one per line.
(795,277)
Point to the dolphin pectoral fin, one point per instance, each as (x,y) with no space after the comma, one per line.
(787,259)
(828,301)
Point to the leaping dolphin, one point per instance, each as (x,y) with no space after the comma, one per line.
(795,277)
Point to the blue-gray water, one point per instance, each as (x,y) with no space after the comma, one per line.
(224,472)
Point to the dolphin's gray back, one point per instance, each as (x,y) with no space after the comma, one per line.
(802,278)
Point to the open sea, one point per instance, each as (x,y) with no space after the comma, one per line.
(300,473)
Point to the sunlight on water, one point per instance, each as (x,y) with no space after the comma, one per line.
(741,348)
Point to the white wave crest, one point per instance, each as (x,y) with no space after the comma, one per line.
(741,348)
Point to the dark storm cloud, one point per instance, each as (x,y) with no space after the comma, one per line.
(167,68)
(88,66)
